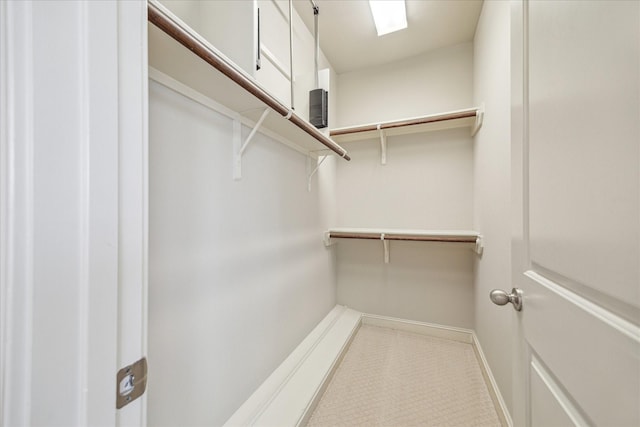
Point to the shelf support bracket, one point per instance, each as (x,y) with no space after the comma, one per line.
(314,171)
(479,119)
(385,246)
(383,145)
(239,147)
(237,144)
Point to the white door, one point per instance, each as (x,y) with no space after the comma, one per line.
(576,169)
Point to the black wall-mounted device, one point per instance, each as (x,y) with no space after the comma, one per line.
(318,108)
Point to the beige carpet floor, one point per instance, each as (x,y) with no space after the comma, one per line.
(395,378)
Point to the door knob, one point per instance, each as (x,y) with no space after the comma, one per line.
(500,297)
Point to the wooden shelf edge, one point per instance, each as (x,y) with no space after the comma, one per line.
(385,235)
(403,232)
(469,117)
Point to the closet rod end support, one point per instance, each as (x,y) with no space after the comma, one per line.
(479,120)
(327,239)
(479,245)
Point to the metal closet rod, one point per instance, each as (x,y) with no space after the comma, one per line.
(158,18)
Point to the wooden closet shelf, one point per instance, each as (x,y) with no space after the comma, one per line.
(471,117)
(386,235)
(461,236)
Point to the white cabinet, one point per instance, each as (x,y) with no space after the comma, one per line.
(277,53)
(187,62)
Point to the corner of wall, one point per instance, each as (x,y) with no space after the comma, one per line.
(492,177)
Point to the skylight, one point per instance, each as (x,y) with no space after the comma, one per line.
(388,15)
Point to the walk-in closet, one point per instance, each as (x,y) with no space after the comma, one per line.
(284,259)
(281,213)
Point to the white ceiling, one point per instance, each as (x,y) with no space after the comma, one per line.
(349,40)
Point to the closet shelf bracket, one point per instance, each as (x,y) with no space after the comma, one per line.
(479,119)
(383,145)
(313,172)
(385,247)
(239,147)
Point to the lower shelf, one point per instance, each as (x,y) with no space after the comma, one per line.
(469,237)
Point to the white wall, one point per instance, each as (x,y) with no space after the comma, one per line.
(426,184)
(492,188)
(238,271)
(434,82)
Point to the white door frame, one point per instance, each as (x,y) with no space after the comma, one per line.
(73,209)
(519,185)
(133,189)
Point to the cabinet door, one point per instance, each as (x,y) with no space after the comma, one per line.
(274,73)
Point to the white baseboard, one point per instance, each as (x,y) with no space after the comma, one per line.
(289,396)
(422,328)
(494,391)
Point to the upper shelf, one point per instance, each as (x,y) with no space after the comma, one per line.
(203,68)
(471,117)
